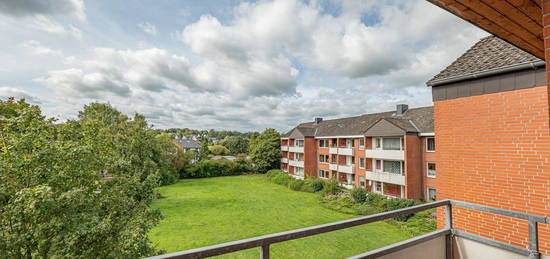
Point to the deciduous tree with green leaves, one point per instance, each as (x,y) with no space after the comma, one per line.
(235,144)
(265,150)
(80,189)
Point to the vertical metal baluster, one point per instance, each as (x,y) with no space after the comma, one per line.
(265,252)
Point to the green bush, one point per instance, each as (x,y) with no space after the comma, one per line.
(366,209)
(295,184)
(273,172)
(331,187)
(282,179)
(359,195)
(398,203)
(211,168)
(377,200)
(315,184)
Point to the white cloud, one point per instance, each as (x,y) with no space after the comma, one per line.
(6,92)
(36,48)
(148,28)
(47,24)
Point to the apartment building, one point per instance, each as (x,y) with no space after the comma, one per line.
(390,153)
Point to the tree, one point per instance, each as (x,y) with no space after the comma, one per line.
(235,144)
(218,150)
(204,151)
(265,150)
(80,189)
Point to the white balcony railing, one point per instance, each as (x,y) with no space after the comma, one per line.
(345,151)
(385,154)
(333,150)
(348,169)
(296,149)
(284,148)
(333,167)
(296,163)
(284,160)
(386,177)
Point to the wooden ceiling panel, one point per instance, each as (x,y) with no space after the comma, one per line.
(512,20)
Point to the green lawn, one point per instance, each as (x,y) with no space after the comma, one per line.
(209,211)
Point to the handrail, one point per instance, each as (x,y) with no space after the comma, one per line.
(266,240)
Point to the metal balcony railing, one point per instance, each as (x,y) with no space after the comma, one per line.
(448,232)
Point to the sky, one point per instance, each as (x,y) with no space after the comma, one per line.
(227,64)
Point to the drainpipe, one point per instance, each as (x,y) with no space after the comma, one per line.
(422,187)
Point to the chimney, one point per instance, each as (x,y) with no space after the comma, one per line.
(318,120)
(401,109)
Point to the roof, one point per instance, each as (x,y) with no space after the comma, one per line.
(419,120)
(232,158)
(489,53)
(188,143)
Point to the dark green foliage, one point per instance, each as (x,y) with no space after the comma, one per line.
(331,187)
(420,223)
(80,189)
(218,150)
(235,144)
(282,179)
(204,151)
(295,184)
(359,195)
(214,168)
(265,150)
(315,184)
(397,203)
(377,200)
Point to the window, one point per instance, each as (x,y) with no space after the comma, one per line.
(299,171)
(431,170)
(378,187)
(392,143)
(334,142)
(299,156)
(378,142)
(430,145)
(299,143)
(323,158)
(431,194)
(323,143)
(393,167)
(334,174)
(353,160)
(323,173)
(361,143)
(362,181)
(334,159)
(378,164)
(361,162)
(350,143)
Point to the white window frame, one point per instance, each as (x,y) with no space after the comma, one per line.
(327,157)
(299,140)
(400,143)
(323,141)
(362,182)
(321,172)
(428,193)
(428,170)
(431,151)
(362,159)
(361,147)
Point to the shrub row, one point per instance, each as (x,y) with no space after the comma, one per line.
(213,168)
(308,185)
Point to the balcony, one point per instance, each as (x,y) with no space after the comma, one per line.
(284,148)
(385,154)
(348,169)
(333,150)
(333,167)
(284,160)
(386,177)
(345,151)
(296,163)
(296,149)
(447,242)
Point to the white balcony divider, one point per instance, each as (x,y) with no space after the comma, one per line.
(296,163)
(296,149)
(333,150)
(284,160)
(386,177)
(385,154)
(348,169)
(284,148)
(345,151)
(333,167)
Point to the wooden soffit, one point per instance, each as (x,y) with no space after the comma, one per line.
(517,21)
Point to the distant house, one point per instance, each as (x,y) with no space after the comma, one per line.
(189,144)
(231,158)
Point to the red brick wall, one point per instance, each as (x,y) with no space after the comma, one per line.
(310,157)
(413,167)
(494,150)
(392,189)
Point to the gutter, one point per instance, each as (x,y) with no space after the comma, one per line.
(489,72)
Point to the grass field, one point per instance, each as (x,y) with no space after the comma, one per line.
(209,211)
